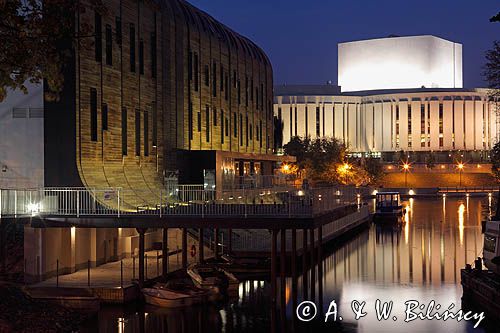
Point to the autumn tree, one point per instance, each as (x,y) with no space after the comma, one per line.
(32,34)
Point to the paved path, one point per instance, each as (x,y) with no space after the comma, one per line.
(108,275)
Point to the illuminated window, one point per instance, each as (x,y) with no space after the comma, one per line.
(441,140)
(317,121)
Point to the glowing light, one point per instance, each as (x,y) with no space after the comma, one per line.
(33,208)
(411,192)
(460,166)
(286,167)
(461,211)
(300,193)
(375,192)
(406,166)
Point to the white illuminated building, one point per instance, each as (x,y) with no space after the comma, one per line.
(399,62)
(416,106)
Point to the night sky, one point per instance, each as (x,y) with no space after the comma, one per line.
(301,36)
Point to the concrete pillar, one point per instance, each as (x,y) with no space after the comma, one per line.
(165,253)
(283,280)
(201,242)
(141,232)
(184,248)
(274,241)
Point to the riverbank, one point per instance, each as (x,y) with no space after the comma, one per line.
(20,313)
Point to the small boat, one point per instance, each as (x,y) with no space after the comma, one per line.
(174,296)
(245,265)
(388,206)
(215,278)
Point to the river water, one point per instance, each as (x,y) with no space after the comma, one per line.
(419,260)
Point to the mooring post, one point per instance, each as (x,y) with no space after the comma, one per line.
(184,248)
(216,241)
(201,256)
(283,281)
(313,265)
(165,253)
(304,263)
(274,241)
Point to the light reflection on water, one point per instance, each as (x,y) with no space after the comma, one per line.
(420,259)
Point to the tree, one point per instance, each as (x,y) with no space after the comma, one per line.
(495,18)
(495,161)
(492,69)
(374,169)
(32,33)
(430,161)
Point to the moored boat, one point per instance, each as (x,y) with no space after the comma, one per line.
(213,277)
(388,206)
(175,296)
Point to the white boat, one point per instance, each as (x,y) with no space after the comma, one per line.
(170,297)
(388,206)
(213,277)
(491,247)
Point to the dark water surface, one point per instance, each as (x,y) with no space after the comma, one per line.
(419,260)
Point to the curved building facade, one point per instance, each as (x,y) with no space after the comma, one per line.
(161,88)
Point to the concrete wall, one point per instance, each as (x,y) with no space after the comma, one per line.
(21,139)
(399,62)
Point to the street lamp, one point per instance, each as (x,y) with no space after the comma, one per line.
(460,167)
(344,170)
(406,168)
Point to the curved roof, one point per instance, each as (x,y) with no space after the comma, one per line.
(207,23)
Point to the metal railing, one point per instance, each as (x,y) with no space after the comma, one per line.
(117,202)
(463,189)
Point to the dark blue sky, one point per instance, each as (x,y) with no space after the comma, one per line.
(301,36)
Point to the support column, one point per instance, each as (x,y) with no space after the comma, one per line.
(313,265)
(274,241)
(165,253)
(294,273)
(230,241)
(320,269)
(283,281)
(216,241)
(201,242)
(141,232)
(304,263)
(184,248)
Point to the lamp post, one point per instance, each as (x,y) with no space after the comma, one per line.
(460,167)
(406,168)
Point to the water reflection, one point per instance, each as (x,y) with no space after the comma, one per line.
(418,259)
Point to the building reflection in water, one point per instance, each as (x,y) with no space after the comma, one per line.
(419,259)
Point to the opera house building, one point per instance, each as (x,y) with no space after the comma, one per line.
(395,94)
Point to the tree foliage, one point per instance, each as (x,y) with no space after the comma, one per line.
(495,161)
(31,34)
(430,161)
(492,69)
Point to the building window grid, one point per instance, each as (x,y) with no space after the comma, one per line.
(410,139)
(441,135)
(397,126)
(318,122)
(422,125)
(428,125)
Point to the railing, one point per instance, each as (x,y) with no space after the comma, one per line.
(117,202)
(463,189)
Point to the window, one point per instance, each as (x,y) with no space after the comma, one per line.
(222,126)
(239,92)
(155,124)
(124,131)
(307,123)
(207,76)
(215,117)
(196,72)
(109,45)
(141,57)
(190,120)
(241,130)
(235,125)
(132,48)
(441,138)
(137,133)
(199,121)
(190,66)
(317,121)
(295,121)
(98,37)
(260,134)
(226,91)
(153,54)
(207,123)
(422,125)
(221,77)
(227,127)
(118,23)
(397,126)
(246,130)
(257,132)
(146,133)
(246,91)
(251,90)
(104,117)
(214,80)
(256,98)
(410,140)
(93,114)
